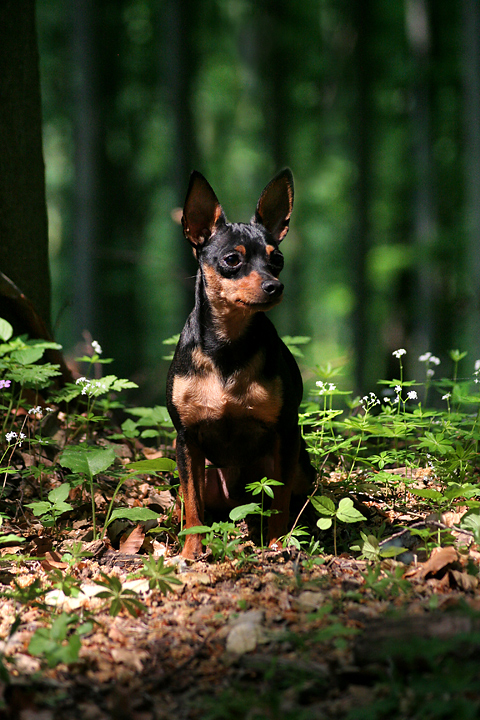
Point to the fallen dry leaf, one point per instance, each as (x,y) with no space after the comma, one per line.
(439,559)
(131,544)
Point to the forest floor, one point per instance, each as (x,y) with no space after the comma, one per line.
(269,634)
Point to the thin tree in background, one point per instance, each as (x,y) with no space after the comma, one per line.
(86,231)
(471,115)
(23,214)
(424,220)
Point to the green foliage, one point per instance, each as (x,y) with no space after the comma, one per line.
(50,510)
(263,487)
(160,576)
(222,538)
(118,597)
(59,643)
(88,461)
(345,512)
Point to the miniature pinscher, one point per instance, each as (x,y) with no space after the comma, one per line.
(234,388)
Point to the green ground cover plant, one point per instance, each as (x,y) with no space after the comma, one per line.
(410,444)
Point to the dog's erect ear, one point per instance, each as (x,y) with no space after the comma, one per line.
(202,213)
(275,205)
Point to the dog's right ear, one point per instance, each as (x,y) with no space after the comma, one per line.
(202,213)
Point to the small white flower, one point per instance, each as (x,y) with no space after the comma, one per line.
(386,400)
(430,372)
(96,347)
(332,387)
(447,396)
(11,436)
(80,380)
(398,389)
(435,360)
(412,395)
(398,353)
(35,410)
(425,358)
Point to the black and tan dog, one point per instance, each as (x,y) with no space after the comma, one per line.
(234,388)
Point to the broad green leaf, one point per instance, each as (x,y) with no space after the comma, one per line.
(40,508)
(87,460)
(428,493)
(471,521)
(347,512)
(133,514)
(6,330)
(59,494)
(27,355)
(11,538)
(242,511)
(324,505)
(324,523)
(195,530)
(157,465)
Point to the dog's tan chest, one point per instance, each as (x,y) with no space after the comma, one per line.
(204,395)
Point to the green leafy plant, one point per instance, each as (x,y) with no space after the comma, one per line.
(51,509)
(345,512)
(160,576)
(371,550)
(61,642)
(383,582)
(222,538)
(119,598)
(260,487)
(89,462)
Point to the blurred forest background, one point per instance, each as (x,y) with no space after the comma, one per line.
(374,105)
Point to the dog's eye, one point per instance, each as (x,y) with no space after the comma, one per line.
(232,260)
(276,261)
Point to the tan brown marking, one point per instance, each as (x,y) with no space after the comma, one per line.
(234,302)
(241,249)
(207,396)
(270,249)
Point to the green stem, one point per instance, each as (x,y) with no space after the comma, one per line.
(92,495)
(109,511)
(335,535)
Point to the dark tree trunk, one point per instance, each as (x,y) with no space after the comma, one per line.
(362,123)
(87,213)
(179,71)
(471,83)
(424,217)
(23,214)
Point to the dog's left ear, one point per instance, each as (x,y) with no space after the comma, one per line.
(275,205)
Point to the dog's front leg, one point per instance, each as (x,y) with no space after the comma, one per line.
(191,469)
(287,448)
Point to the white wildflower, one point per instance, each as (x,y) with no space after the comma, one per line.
(430,373)
(434,360)
(425,358)
(80,380)
(447,396)
(398,389)
(35,410)
(412,395)
(11,436)
(398,353)
(96,347)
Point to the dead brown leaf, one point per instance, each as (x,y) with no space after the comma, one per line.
(131,544)
(440,558)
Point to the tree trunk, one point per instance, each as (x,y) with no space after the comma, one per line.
(361,235)
(23,213)
(424,216)
(471,83)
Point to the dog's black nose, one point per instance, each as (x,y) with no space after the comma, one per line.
(272,288)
